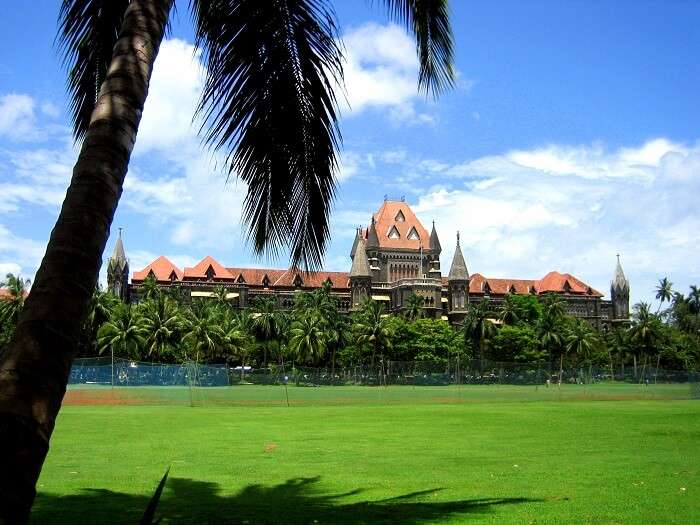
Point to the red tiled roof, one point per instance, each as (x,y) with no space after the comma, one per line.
(162,268)
(553,282)
(285,278)
(199,271)
(385,219)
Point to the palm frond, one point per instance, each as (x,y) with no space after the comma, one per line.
(269,103)
(87,32)
(430,23)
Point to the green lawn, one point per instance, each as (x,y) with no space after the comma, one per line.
(488,459)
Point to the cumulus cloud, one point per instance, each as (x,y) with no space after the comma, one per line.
(381,72)
(572,208)
(19,255)
(17,118)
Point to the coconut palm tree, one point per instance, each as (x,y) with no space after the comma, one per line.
(123,334)
(102,305)
(235,337)
(162,321)
(149,288)
(479,328)
(550,330)
(582,340)
(414,307)
(664,292)
(268,104)
(268,325)
(307,338)
(372,329)
(509,312)
(11,304)
(201,333)
(645,331)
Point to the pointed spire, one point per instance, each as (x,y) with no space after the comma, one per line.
(434,241)
(619,282)
(360,265)
(372,238)
(118,255)
(354,243)
(458,270)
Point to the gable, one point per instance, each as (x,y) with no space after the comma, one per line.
(413,235)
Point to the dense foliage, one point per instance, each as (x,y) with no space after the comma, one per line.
(523,329)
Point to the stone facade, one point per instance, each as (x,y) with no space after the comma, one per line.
(392,258)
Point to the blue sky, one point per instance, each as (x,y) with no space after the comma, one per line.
(571,136)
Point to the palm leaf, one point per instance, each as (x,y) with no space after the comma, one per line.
(430,23)
(269,103)
(88,30)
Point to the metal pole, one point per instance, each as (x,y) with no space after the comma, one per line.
(112,348)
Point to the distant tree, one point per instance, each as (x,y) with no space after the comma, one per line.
(268,325)
(123,334)
(235,336)
(414,306)
(581,339)
(517,343)
(221,298)
(11,305)
(149,288)
(308,341)
(479,328)
(102,305)
(509,312)
(202,333)
(645,331)
(550,329)
(373,329)
(664,292)
(163,323)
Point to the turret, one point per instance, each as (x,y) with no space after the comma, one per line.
(360,276)
(458,281)
(620,293)
(435,249)
(118,270)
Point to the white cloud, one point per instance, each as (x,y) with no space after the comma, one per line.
(173,94)
(572,208)
(17,119)
(381,71)
(19,255)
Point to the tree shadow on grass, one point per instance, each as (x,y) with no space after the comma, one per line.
(296,501)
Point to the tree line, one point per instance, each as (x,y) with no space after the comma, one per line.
(524,329)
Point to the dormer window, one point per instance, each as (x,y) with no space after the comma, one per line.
(240,279)
(400,217)
(413,235)
(487,288)
(298,282)
(151,275)
(512,289)
(266,281)
(173,276)
(210,273)
(394,233)
(532,290)
(328,282)
(567,287)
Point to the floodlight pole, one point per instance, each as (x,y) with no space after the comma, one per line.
(112,348)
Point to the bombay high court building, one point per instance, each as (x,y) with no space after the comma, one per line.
(392,258)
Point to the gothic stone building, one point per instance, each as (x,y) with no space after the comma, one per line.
(392,258)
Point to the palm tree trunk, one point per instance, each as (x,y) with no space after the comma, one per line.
(35,366)
(561,367)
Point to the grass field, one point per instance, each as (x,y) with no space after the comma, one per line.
(372,455)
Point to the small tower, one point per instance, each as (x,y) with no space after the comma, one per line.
(118,271)
(360,277)
(620,294)
(458,282)
(435,250)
